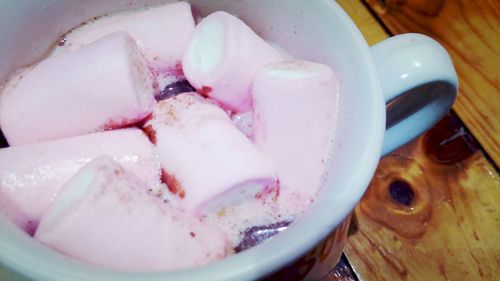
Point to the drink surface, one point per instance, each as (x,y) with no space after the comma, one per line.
(226,131)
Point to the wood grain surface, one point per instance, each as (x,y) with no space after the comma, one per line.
(366,22)
(430,213)
(432,210)
(470,31)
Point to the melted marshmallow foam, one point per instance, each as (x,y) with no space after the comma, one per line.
(236,219)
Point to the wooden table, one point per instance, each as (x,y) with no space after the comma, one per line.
(432,209)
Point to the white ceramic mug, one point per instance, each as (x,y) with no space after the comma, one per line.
(317,30)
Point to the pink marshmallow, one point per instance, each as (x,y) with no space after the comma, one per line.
(105,85)
(207,161)
(295,108)
(104,215)
(31,175)
(162,33)
(222,58)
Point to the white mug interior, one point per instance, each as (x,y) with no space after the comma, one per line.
(314,30)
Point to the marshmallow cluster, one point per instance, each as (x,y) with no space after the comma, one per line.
(105,215)
(141,124)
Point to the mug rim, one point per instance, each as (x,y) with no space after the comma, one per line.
(248,264)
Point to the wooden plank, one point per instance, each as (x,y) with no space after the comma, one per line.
(449,229)
(470,31)
(367,24)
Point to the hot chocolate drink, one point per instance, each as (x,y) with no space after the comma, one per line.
(148,142)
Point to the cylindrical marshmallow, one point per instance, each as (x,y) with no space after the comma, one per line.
(222,58)
(206,159)
(162,33)
(104,85)
(106,216)
(295,113)
(31,175)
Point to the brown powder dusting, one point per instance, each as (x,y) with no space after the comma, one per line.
(145,120)
(271,190)
(173,185)
(205,91)
(165,113)
(177,70)
(119,123)
(171,113)
(150,132)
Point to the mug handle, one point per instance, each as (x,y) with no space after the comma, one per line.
(419,84)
